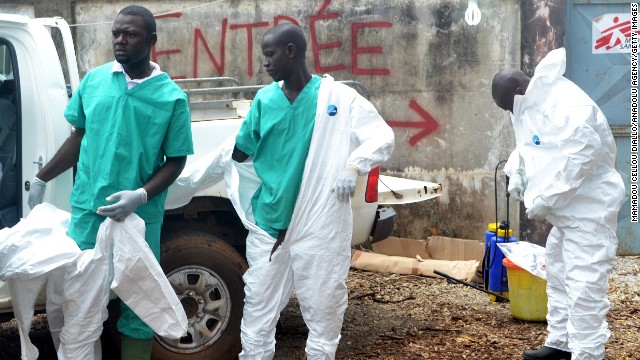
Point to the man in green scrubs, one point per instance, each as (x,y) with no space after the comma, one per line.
(309,138)
(131,137)
(273,202)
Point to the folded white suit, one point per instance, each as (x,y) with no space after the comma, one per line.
(37,251)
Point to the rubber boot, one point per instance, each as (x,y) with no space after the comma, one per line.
(135,349)
(547,353)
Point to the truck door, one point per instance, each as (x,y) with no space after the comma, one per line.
(29,61)
(9,156)
(597,40)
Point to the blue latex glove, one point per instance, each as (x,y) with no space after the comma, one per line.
(538,210)
(128,202)
(345,184)
(36,192)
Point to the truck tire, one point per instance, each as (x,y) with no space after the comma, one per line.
(206,274)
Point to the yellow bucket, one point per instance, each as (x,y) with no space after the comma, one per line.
(527,293)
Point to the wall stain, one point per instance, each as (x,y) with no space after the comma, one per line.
(443,16)
(408,15)
(543,30)
(452,46)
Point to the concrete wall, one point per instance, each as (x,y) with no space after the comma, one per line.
(22,9)
(428,73)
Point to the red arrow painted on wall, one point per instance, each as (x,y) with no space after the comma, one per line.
(428,123)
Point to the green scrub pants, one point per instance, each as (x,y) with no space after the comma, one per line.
(83,229)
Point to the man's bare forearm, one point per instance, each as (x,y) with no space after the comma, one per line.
(165,176)
(64,158)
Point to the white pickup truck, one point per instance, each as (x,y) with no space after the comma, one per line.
(202,242)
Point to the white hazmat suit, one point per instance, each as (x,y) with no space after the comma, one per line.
(315,255)
(566,152)
(37,252)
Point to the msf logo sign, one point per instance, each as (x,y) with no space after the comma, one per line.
(611,34)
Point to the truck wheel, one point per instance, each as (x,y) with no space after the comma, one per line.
(206,274)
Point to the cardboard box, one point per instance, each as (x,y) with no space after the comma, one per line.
(454,257)
(446,248)
(436,247)
(394,246)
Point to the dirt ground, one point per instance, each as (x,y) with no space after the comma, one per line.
(412,317)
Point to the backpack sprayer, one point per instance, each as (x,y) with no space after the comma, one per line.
(494,274)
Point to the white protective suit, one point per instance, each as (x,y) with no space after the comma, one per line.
(38,251)
(315,255)
(567,151)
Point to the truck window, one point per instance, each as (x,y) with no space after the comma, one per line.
(9,191)
(57,41)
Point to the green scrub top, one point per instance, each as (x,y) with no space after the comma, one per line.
(277,135)
(128,134)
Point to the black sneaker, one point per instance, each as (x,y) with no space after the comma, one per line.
(546,353)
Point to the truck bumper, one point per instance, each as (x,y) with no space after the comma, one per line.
(384,225)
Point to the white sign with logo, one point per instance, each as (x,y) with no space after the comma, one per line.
(611,34)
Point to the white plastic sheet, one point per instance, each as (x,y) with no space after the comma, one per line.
(37,249)
(526,255)
(24,299)
(85,295)
(139,281)
(201,174)
(37,244)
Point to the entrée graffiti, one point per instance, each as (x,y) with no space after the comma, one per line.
(218,62)
(426,125)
